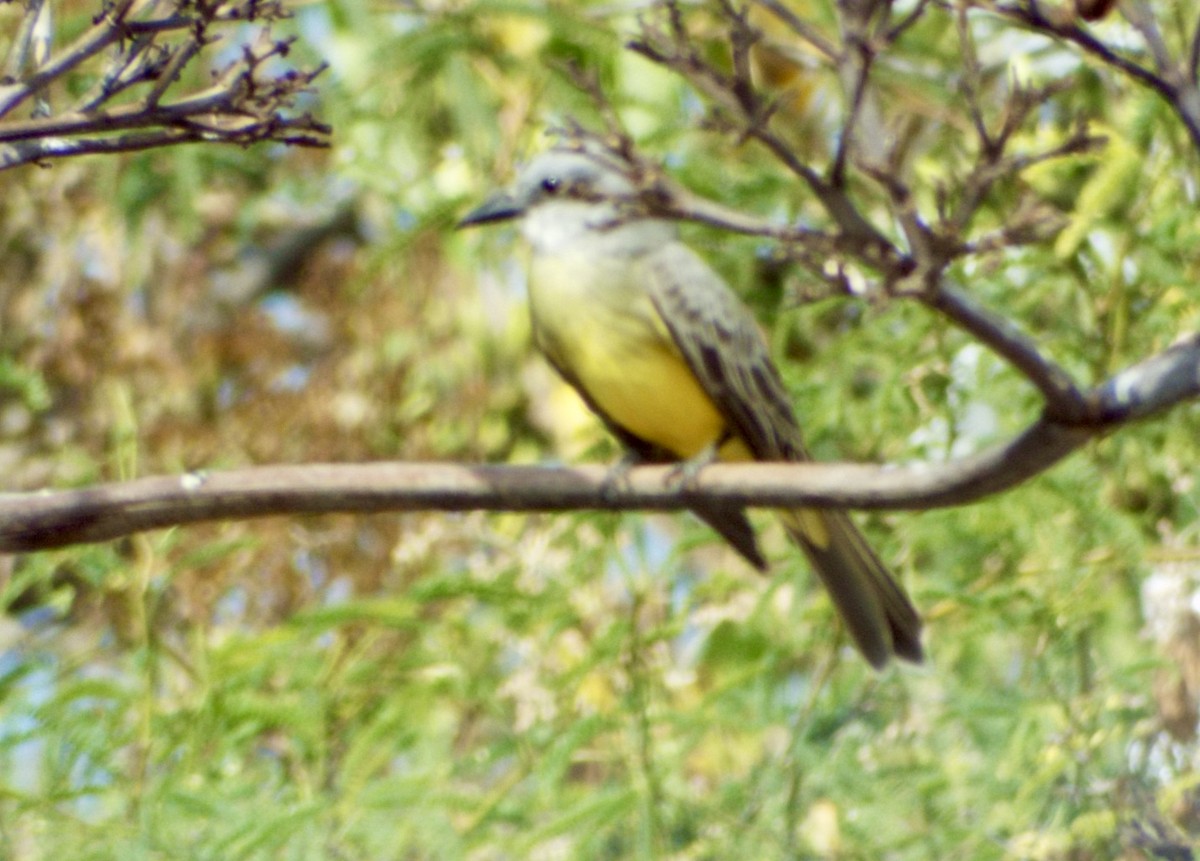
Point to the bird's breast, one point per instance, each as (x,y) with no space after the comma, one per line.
(593,317)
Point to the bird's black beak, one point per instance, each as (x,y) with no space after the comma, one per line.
(498,207)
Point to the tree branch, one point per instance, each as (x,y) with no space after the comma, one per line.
(1064,400)
(1152,385)
(104,33)
(39,150)
(248,101)
(673,48)
(1173,84)
(39,521)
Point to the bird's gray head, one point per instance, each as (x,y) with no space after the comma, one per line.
(556,176)
(569,196)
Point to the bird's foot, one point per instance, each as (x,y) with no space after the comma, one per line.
(683,475)
(617,479)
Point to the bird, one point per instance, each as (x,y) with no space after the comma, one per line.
(676,366)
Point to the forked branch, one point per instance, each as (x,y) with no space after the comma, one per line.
(137,56)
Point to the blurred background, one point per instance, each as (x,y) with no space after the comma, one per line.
(586,686)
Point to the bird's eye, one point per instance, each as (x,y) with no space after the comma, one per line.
(551,184)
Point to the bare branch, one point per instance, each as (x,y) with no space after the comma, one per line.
(673,201)
(672,48)
(38,521)
(141,63)
(169,74)
(860,57)
(994,166)
(21,50)
(1143,21)
(1030,223)
(250,100)
(1151,386)
(1030,14)
(1064,401)
(901,27)
(1170,80)
(1193,65)
(39,150)
(101,35)
(835,201)
(971,76)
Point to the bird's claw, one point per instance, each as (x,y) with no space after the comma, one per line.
(617,479)
(683,475)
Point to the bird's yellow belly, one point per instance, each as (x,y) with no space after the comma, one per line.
(649,390)
(621,353)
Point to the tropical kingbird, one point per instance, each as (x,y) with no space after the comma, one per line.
(675,365)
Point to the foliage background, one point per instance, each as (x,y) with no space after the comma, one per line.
(436,686)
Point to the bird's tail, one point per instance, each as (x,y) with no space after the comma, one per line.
(878,614)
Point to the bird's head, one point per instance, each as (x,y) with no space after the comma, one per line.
(580,176)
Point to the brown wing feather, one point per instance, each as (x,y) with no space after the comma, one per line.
(721,343)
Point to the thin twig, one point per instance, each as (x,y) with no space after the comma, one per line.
(22,44)
(1031,16)
(174,68)
(971,76)
(862,57)
(893,35)
(247,101)
(94,40)
(303,131)
(1177,89)
(1142,20)
(1194,53)
(800,27)
(141,62)
(672,48)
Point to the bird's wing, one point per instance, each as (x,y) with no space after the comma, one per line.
(723,346)
(721,342)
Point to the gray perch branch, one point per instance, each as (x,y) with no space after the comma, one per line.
(47,519)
